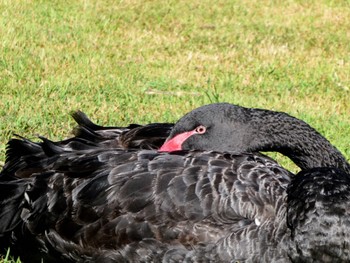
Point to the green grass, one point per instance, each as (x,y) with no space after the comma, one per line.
(147,61)
(8,259)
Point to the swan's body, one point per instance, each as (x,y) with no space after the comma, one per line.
(200,206)
(115,201)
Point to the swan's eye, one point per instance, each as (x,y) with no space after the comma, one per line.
(201,129)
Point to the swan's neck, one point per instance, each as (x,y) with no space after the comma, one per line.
(297,140)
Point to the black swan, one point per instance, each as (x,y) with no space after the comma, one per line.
(116,205)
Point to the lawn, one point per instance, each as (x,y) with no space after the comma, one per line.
(152,61)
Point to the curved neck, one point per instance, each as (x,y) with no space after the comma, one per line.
(279,132)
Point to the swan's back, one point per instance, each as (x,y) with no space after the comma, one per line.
(145,205)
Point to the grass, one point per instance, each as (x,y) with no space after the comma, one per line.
(8,259)
(146,61)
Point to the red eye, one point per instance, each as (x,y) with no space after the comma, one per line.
(201,129)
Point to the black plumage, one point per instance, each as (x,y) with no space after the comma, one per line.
(208,205)
(318,209)
(118,199)
(25,157)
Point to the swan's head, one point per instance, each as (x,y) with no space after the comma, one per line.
(218,127)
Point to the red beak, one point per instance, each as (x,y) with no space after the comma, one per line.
(175,144)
